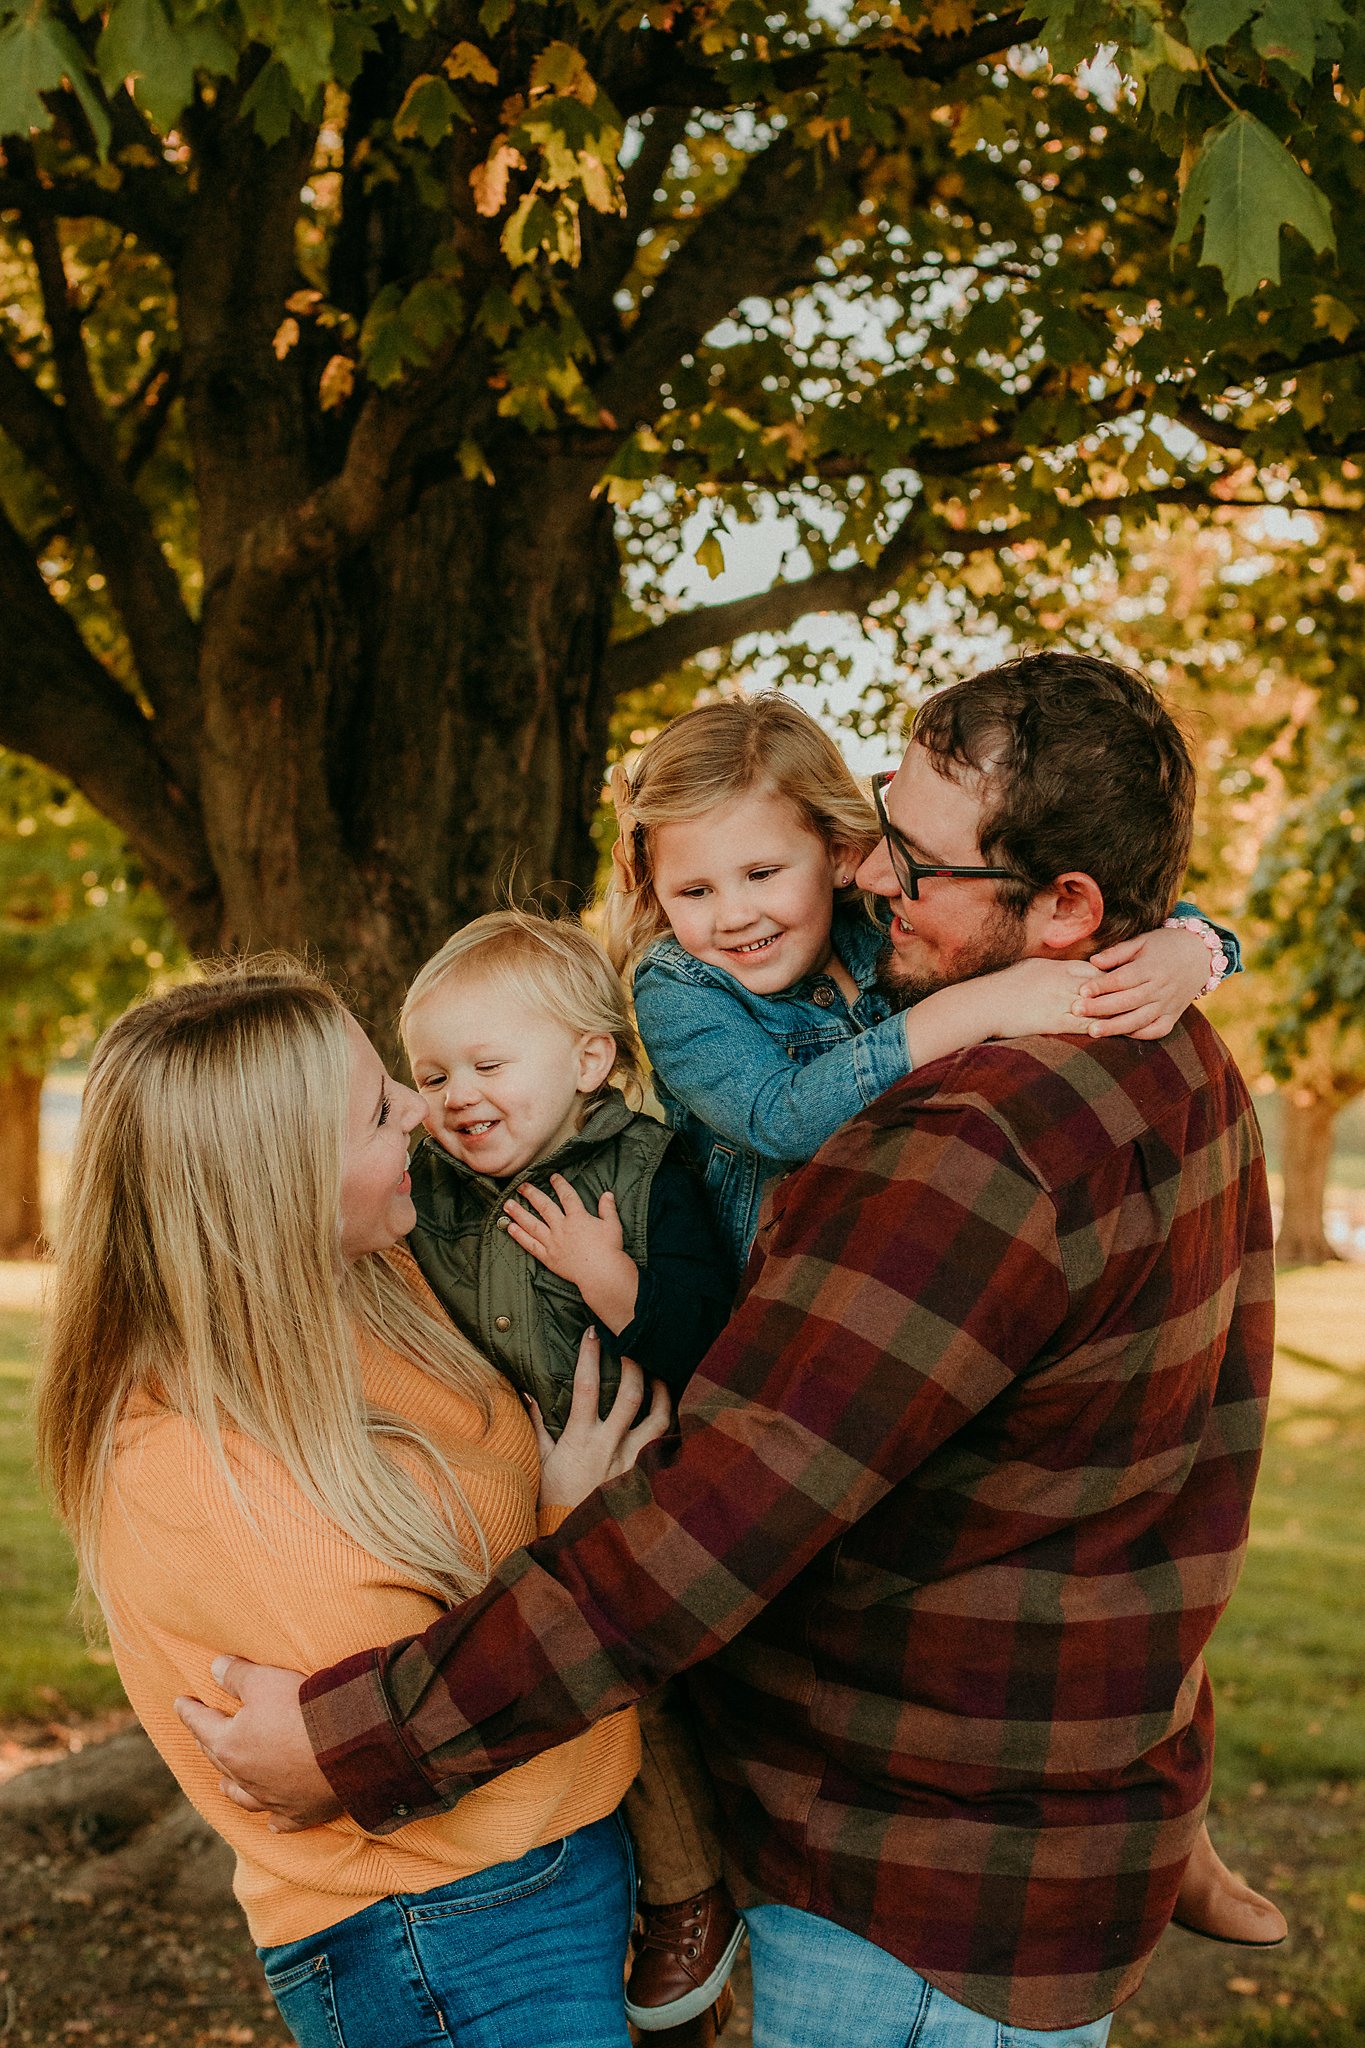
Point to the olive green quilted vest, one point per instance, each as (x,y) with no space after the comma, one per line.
(522,1316)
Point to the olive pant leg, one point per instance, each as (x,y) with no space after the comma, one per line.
(671,1808)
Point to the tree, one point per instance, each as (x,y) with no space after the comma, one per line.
(366,362)
(81,935)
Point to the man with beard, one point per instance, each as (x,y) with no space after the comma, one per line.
(962,1489)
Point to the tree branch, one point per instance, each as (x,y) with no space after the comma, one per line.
(150,201)
(74,445)
(921,536)
(665,76)
(285,548)
(59,704)
(741,249)
(610,243)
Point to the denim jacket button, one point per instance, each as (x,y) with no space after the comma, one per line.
(824,995)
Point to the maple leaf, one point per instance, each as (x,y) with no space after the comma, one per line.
(467,60)
(336,382)
(488,180)
(1245,187)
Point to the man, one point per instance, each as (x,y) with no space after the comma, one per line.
(961,1490)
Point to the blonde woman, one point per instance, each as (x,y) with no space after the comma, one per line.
(261,1429)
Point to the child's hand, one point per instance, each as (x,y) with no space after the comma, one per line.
(593,1450)
(588,1249)
(1013,1002)
(1148,982)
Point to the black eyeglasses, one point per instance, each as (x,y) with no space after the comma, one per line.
(908,870)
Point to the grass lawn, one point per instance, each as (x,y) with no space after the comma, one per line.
(1288,1665)
(45,1667)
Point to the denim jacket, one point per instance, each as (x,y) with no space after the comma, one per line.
(754,1085)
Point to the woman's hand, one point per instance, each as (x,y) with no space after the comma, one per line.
(593,1450)
(1145,984)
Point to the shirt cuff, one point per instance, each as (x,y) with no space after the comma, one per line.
(626,1340)
(358,1749)
(881,1057)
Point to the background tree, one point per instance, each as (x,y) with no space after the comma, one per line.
(364,365)
(81,935)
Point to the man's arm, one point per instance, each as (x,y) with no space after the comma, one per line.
(911,1272)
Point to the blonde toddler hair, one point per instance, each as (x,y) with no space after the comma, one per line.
(708,756)
(548,964)
(200,1263)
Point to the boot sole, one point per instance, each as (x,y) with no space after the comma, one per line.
(657,2019)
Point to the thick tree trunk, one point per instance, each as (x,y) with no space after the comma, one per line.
(419,735)
(21,1222)
(1309,1121)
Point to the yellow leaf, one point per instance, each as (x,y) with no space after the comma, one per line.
(1356,1901)
(711,556)
(951,17)
(302,302)
(561,69)
(623,491)
(489,179)
(466,60)
(1330,313)
(1245,1987)
(599,185)
(336,382)
(473,463)
(286,334)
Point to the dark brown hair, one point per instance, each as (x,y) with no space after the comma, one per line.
(1085,770)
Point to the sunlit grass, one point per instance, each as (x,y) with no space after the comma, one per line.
(44,1663)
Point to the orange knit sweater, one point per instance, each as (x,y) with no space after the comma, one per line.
(188,1574)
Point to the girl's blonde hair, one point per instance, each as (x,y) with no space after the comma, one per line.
(548,964)
(200,1262)
(708,756)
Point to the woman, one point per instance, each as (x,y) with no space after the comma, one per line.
(260,1428)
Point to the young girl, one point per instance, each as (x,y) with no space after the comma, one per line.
(516,1031)
(754,965)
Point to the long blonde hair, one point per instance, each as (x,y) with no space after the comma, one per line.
(712,754)
(548,964)
(200,1262)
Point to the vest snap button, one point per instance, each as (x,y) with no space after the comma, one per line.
(824,995)
(502,1322)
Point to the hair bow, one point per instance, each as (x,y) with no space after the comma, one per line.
(627,851)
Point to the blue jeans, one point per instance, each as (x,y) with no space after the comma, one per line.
(531,1952)
(815,1983)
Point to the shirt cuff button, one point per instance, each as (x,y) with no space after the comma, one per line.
(401,1812)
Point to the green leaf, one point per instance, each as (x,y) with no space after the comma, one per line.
(1208,22)
(298,33)
(352,42)
(1289,31)
(140,43)
(36,55)
(429,107)
(271,103)
(1245,186)
(493,15)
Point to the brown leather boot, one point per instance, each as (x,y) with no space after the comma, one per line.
(683,1958)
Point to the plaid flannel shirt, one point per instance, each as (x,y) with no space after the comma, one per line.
(958,1497)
